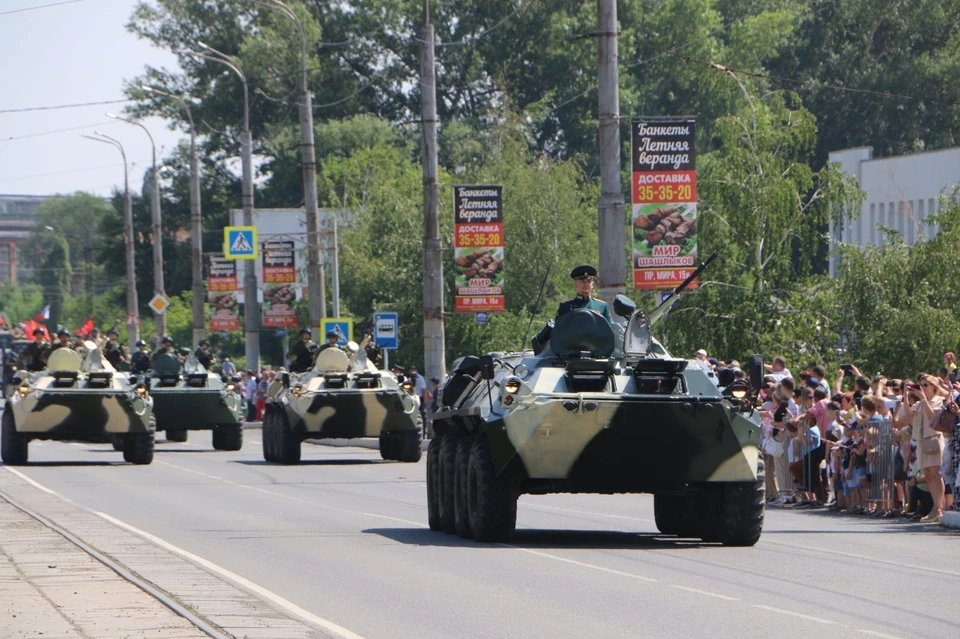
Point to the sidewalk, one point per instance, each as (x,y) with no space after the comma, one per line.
(51,588)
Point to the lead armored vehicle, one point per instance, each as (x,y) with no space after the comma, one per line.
(343,396)
(79,396)
(596,408)
(189,397)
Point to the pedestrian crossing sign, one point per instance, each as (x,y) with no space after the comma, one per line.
(240,242)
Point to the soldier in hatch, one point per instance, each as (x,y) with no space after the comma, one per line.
(300,357)
(203,354)
(140,362)
(332,338)
(583,278)
(166,348)
(34,356)
(113,351)
(63,335)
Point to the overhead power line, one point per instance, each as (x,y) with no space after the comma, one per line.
(63,106)
(42,6)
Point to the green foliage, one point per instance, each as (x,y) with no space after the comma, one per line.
(20,302)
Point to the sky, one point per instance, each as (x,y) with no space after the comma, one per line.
(70,53)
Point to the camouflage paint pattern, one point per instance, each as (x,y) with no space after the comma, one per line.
(182,407)
(551,439)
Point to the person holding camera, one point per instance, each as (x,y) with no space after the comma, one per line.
(929,441)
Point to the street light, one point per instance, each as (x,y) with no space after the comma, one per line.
(196,251)
(251,311)
(133,319)
(160,319)
(315,275)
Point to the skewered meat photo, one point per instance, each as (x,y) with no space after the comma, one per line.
(482,263)
(279,295)
(224,301)
(665,224)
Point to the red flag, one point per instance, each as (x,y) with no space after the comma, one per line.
(30,326)
(86,328)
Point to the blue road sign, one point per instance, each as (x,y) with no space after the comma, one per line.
(240,242)
(481,318)
(385,330)
(281,333)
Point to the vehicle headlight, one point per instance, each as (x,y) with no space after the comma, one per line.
(23,390)
(230,387)
(297,390)
(739,393)
(521,371)
(511,386)
(407,387)
(141,390)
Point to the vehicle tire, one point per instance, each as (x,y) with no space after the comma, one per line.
(228,437)
(668,513)
(286,441)
(433,484)
(388,446)
(462,472)
(266,432)
(491,502)
(13,445)
(117,441)
(409,445)
(138,447)
(448,467)
(176,435)
(738,517)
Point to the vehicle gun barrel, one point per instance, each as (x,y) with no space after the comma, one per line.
(669,301)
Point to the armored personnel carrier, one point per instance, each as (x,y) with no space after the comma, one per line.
(188,397)
(343,396)
(596,408)
(79,396)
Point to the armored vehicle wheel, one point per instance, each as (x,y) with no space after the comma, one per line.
(462,471)
(13,445)
(389,446)
(266,438)
(117,441)
(737,518)
(433,484)
(410,445)
(491,502)
(176,435)
(286,442)
(668,513)
(228,437)
(448,471)
(138,447)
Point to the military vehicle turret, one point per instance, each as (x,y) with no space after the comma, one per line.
(342,396)
(79,396)
(189,397)
(596,408)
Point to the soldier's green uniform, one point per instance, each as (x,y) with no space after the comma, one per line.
(35,355)
(328,344)
(140,361)
(584,272)
(166,349)
(301,354)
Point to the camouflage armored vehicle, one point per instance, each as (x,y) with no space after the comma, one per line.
(596,408)
(343,396)
(79,397)
(188,397)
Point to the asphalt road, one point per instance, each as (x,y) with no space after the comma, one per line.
(343,535)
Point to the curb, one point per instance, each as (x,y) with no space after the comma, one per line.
(951,520)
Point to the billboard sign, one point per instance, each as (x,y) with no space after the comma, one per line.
(222,293)
(478,247)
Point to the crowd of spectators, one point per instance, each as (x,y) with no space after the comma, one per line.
(861,445)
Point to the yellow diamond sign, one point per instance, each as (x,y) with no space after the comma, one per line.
(159,304)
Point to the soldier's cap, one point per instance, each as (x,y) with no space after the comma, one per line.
(166,338)
(332,333)
(112,331)
(306,331)
(435,380)
(413,368)
(140,342)
(583,272)
(396,367)
(63,331)
(203,342)
(38,331)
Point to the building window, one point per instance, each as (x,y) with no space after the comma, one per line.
(4,262)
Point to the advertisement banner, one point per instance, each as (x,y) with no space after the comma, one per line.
(222,293)
(279,284)
(664,198)
(478,247)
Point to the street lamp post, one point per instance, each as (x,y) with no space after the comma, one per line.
(133,320)
(315,273)
(160,319)
(251,311)
(196,227)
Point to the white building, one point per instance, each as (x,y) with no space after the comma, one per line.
(901,194)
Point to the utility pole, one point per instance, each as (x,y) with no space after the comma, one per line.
(251,310)
(133,327)
(433,338)
(610,215)
(160,319)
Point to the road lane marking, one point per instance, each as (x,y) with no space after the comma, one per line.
(585,512)
(877,634)
(794,614)
(848,555)
(582,564)
(270,596)
(704,592)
